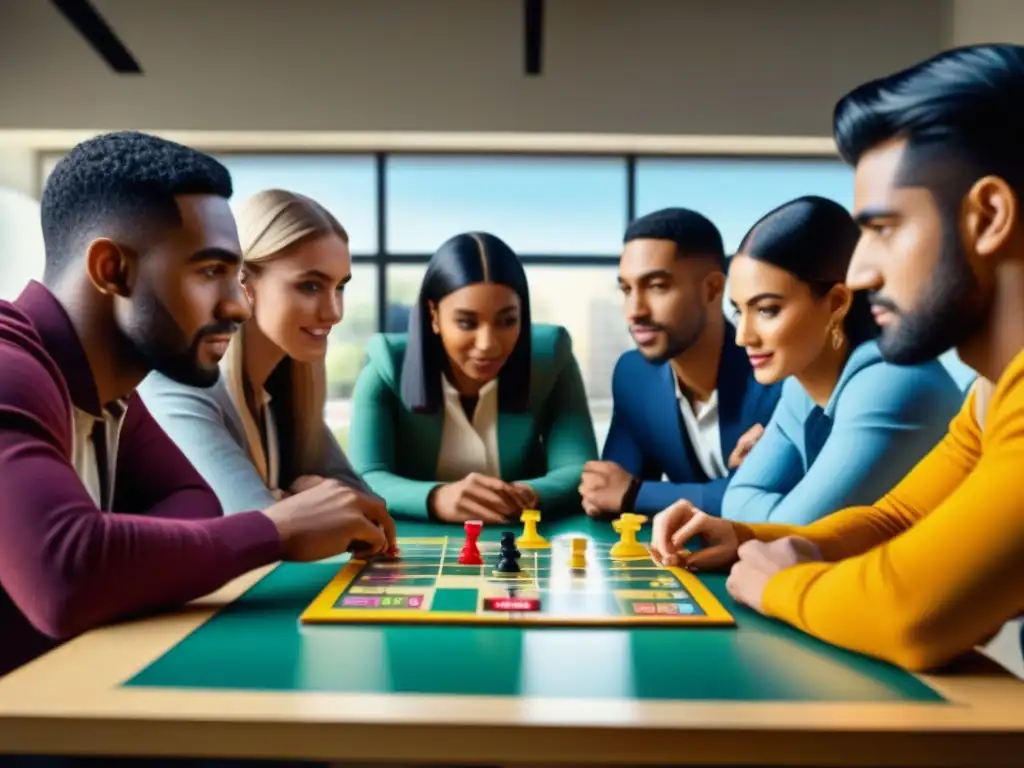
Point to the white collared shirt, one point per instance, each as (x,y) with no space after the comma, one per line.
(469,446)
(701,420)
(83,451)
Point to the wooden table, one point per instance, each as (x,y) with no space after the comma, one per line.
(252,684)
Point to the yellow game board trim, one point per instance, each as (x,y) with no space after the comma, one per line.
(322,609)
(714,611)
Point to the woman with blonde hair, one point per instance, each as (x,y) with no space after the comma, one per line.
(259,433)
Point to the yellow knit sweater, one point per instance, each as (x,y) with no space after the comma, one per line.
(937,565)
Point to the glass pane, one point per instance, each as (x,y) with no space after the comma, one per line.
(736,192)
(591,311)
(344,185)
(538,205)
(346,349)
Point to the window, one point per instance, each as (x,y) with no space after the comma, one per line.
(538,205)
(21,243)
(549,208)
(736,192)
(349,338)
(344,185)
(347,345)
(590,312)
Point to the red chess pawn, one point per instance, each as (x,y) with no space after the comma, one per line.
(470,554)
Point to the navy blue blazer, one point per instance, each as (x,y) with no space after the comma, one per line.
(648,438)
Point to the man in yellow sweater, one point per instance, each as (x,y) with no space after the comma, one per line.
(936,566)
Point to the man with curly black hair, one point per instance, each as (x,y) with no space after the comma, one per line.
(142,273)
(107,209)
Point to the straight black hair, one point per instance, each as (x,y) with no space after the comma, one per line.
(965,105)
(466,259)
(813,238)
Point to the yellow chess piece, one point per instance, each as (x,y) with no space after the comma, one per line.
(578,558)
(627,547)
(530,538)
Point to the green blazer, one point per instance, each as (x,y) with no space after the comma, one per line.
(396,450)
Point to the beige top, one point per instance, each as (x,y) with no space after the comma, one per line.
(469,445)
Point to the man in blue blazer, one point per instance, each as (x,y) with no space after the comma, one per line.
(685,400)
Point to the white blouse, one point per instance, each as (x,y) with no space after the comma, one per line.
(469,445)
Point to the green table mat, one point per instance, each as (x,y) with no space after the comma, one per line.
(257,643)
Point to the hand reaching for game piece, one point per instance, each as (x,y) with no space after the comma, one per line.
(674,526)
(745,445)
(330,518)
(603,487)
(528,498)
(476,497)
(759,561)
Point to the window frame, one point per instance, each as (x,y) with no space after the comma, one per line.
(791,149)
(630,150)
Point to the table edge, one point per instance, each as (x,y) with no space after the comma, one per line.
(537,745)
(83,676)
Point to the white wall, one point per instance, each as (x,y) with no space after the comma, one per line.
(18,169)
(21,238)
(717,67)
(21,242)
(674,67)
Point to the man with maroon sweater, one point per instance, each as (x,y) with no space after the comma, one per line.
(101,516)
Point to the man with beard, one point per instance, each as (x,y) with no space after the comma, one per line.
(936,566)
(101,516)
(686,403)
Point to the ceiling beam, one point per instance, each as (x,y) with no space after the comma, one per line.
(533,12)
(94,28)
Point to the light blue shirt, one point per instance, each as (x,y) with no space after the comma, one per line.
(879,422)
(207,427)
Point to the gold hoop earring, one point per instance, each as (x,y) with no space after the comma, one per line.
(837,338)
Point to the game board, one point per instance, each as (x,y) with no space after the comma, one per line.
(557,584)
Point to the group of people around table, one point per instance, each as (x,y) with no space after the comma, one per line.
(163,387)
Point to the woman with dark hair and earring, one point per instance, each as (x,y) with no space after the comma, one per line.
(475,413)
(848,425)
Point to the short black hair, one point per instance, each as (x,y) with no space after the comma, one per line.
(965,104)
(693,233)
(120,180)
(466,259)
(813,238)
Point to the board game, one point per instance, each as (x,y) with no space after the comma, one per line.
(526,581)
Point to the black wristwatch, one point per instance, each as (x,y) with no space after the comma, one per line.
(629,497)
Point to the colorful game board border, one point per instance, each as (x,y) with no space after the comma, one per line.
(323,610)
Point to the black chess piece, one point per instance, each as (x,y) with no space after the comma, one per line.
(508,557)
